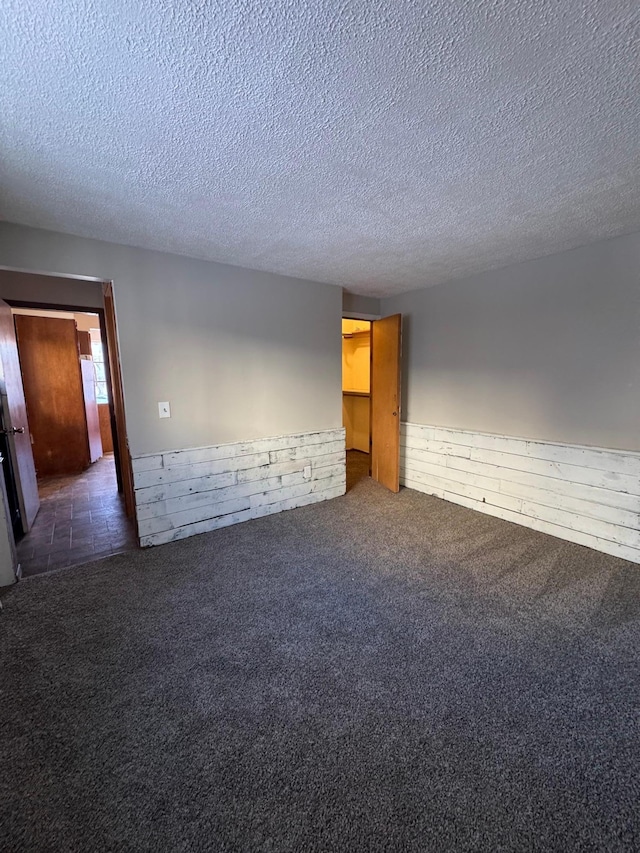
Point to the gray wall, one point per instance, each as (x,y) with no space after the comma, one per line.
(238,354)
(364,306)
(546,349)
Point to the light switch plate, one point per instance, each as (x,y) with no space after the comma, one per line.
(164,410)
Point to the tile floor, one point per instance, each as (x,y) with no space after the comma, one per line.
(81,518)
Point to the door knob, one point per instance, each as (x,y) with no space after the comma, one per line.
(13,431)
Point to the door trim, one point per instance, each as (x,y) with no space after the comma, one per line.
(117,401)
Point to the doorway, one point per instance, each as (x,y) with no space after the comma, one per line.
(371,355)
(67,391)
(356,388)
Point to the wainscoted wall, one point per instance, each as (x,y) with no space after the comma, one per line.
(583,494)
(181,493)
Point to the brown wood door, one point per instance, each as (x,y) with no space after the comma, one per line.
(385,401)
(53,390)
(121,443)
(84,343)
(20,442)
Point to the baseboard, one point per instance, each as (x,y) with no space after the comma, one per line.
(586,495)
(185,492)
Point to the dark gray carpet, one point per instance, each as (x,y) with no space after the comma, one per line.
(377,673)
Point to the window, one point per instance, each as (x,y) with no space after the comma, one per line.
(97,351)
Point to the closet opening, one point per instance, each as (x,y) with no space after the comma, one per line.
(356,400)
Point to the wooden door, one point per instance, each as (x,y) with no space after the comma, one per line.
(53,390)
(119,425)
(19,442)
(84,343)
(385,401)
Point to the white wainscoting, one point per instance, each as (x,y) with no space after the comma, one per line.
(184,492)
(587,495)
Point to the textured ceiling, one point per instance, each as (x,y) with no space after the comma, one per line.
(382,146)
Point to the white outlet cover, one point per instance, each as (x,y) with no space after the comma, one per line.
(164,410)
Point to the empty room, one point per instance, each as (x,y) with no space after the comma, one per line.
(357,287)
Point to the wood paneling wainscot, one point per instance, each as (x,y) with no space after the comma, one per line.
(185,492)
(583,494)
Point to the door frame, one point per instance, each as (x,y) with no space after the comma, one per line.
(109,336)
(372,318)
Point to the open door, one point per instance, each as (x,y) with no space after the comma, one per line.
(19,435)
(385,401)
(121,444)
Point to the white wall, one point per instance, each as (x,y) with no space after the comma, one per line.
(239,354)
(548,349)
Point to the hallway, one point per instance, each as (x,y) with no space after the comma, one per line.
(81,518)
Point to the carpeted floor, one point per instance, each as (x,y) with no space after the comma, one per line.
(377,673)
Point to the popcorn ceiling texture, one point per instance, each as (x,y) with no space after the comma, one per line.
(381,146)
